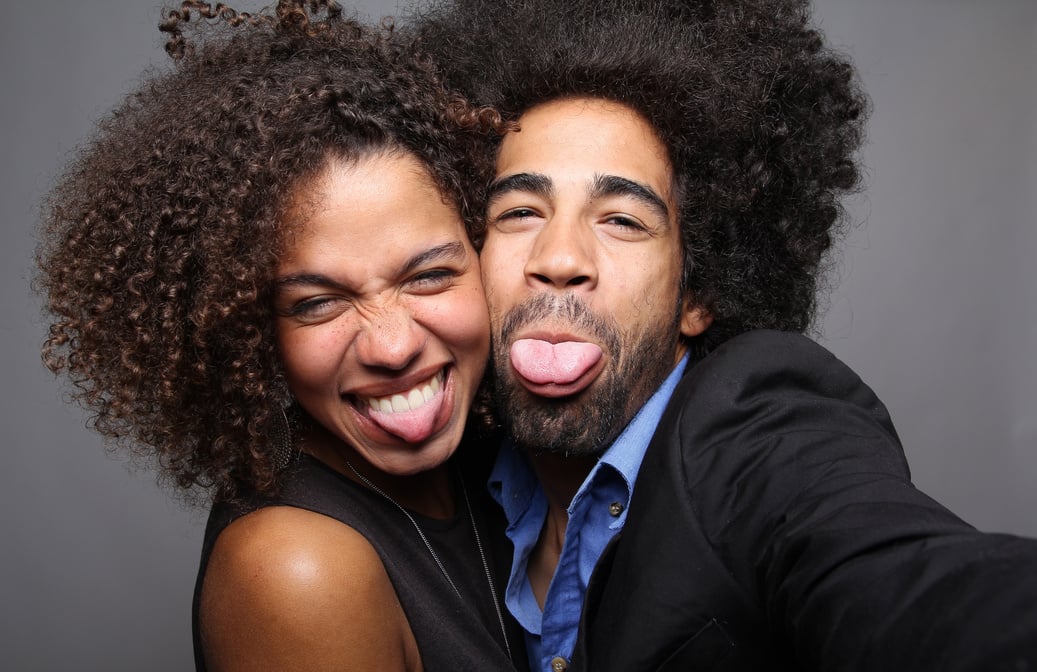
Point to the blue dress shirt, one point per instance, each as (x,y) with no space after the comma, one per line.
(596,514)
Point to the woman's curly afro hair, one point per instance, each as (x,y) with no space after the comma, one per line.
(160,240)
(761,121)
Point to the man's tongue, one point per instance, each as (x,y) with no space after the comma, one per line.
(413,425)
(542,362)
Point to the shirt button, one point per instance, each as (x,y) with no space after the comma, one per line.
(559,664)
(615,508)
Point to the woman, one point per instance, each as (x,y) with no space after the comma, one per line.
(260,276)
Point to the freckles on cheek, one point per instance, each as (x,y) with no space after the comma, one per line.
(467,321)
(306,361)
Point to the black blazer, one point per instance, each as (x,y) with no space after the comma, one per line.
(774,526)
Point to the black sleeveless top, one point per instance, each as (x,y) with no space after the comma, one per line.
(451,633)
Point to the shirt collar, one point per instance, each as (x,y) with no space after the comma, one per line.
(513,484)
(626,453)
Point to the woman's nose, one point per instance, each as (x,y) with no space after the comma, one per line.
(390,339)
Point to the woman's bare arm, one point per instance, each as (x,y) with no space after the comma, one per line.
(288,589)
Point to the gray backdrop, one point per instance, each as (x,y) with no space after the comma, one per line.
(934,307)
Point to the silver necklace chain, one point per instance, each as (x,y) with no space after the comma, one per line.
(432,552)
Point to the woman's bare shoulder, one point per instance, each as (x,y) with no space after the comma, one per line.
(289,589)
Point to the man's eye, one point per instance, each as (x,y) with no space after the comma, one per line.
(625,222)
(517,213)
(515,219)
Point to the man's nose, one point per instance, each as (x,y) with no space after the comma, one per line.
(562,256)
(390,338)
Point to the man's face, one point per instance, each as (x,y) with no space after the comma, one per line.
(582,264)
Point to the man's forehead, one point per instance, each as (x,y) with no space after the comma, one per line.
(582,138)
(593,117)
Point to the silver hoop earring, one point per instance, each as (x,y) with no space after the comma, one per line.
(281,439)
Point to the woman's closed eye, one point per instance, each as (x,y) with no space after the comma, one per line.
(316,308)
(433,279)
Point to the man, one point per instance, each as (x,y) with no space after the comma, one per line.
(671,189)
(587,325)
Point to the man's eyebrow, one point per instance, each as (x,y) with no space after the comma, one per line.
(534,183)
(614,185)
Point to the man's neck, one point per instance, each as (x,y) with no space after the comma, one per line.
(560,478)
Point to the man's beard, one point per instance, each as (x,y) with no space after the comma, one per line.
(586,423)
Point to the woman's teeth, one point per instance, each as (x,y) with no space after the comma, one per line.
(410,400)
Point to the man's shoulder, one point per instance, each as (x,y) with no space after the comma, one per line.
(762,387)
(764,349)
(770,364)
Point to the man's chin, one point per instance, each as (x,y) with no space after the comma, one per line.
(572,426)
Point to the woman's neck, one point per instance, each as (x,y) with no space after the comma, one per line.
(429,493)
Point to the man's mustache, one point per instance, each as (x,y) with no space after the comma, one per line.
(567,308)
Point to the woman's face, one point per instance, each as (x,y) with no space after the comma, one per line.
(381,319)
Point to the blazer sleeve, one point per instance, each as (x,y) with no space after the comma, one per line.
(775,507)
(801,486)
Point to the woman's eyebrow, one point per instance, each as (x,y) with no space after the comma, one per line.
(453,250)
(305,279)
(447,251)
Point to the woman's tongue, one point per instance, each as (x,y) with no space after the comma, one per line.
(543,362)
(412,420)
